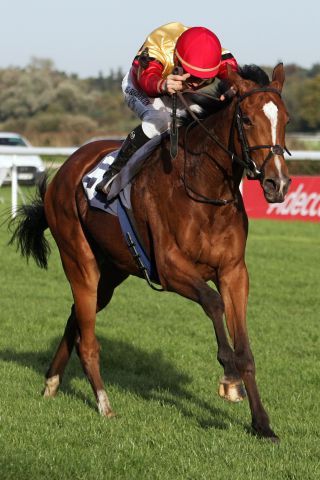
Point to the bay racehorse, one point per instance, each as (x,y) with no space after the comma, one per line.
(190,215)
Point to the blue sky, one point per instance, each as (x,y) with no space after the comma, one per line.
(86,37)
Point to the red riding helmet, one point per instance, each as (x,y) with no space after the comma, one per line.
(199,52)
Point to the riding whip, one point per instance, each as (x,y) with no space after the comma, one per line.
(173,126)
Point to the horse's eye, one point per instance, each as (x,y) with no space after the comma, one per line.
(246,120)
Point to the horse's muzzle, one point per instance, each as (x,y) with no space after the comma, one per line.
(275,188)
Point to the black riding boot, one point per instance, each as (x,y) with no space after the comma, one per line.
(132,143)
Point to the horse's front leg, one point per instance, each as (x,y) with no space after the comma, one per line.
(234,287)
(62,356)
(180,275)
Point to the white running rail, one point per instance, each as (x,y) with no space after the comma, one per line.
(14,152)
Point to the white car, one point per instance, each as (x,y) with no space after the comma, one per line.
(30,168)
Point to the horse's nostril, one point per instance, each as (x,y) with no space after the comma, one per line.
(270,185)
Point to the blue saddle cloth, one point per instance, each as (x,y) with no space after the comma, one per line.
(120,205)
(135,245)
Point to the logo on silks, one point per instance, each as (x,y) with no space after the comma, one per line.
(132,135)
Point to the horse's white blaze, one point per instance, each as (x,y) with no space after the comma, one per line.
(271,112)
(277,164)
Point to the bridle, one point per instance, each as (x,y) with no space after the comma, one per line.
(253,172)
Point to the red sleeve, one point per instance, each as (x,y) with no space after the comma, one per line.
(227,59)
(150,79)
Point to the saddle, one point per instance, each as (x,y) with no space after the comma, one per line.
(120,181)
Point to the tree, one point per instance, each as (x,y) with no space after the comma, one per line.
(51,106)
(309,103)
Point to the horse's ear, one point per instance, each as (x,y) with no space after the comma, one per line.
(278,76)
(233,77)
(237,82)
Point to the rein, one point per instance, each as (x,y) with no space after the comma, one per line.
(196,196)
(211,135)
(237,123)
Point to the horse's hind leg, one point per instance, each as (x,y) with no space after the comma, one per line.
(109,280)
(88,348)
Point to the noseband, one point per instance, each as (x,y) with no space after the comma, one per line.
(253,172)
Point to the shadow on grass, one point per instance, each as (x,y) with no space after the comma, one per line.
(146,374)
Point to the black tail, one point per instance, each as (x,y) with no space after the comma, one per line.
(28,229)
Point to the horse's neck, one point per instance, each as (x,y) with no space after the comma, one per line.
(220,126)
(210,166)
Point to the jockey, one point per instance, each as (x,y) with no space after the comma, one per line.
(150,82)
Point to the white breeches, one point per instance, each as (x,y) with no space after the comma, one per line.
(155,113)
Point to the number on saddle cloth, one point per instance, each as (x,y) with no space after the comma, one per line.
(127,173)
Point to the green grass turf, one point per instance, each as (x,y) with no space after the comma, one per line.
(158,360)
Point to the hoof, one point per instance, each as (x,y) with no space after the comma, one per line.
(110,415)
(265,434)
(104,406)
(274,439)
(232,390)
(52,385)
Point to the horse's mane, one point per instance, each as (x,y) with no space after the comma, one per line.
(247,72)
(255,74)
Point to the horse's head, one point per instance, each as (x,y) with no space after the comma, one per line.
(260,121)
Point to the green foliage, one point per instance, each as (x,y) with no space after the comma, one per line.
(23,94)
(302,96)
(310,103)
(304,167)
(38,101)
(49,105)
(158,360)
